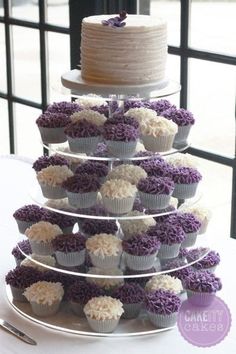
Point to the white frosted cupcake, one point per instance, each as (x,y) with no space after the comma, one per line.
(36,261)
(40,236)
(182,160)
(118,196)
(136,226)
(108,284)
(128,173)
(91,100)
(44,297)
(104,250)
(51,179)
(103,313)
(141,114)
(90,116)
(165,282)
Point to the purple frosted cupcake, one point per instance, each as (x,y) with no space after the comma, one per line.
(156,167)
(186,180)
(23,246)
(141,280)
(20,278)
(184,119)
(82,190)
(91,227)
(181,273)
(201,287)
(155,192)
(63,107)
(209,262)
(171,236)
(121,139)
(51,127)
(160,106)
(140,251)
(65,222)
(83,136)
(131,295)
(191,226)
(69,249)
(26,216)
(97,169)
(162,308)
(133,103)
(80,293)
(120,118)
(45,161)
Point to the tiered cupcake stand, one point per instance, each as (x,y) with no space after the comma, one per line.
(65,320)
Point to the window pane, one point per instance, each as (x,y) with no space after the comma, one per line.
(26,63)
(212,100)
(3,76)
(1,8)
(59,62)
(27,133)
(170,10)
(213,26)
(4,131)
(25,10)
(173,73)
(58,12)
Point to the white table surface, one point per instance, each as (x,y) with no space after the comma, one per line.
(16,178)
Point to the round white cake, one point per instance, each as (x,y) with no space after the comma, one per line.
(130,55)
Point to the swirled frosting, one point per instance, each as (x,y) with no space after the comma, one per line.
(164,282)
(141,245)
(45,293)
(95,226)
(53,120)
(181,273)
(47,260)
(90,116)
(137,226)
(162,302)
(43,231)
(127,172)
(181,160)
(82,183)
(156,185)
(156,167)
(91,100)
(69,243)
(24,246)
(54,175)
(120,132)
(103,245)
(133,103)
(158,126)
(202,281)
(160,106)
(63,107)
(106,283)
(141,114)
(93,168)
(81,291)
(129,293)
(189,222)
(117,188)
(82,129)
(167,233)
(28,213)
(120,118)
(211,259)
(185,175)
(180,116)
(103,308)
(61,204)
(62,220)
(45,161)
(21,277)
(202,213)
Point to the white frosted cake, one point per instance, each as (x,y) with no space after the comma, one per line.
(129,55)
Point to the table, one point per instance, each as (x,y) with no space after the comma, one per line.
(16,179)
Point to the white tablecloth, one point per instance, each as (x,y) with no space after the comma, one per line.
(16,179)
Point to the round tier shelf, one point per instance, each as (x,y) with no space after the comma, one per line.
(73,81)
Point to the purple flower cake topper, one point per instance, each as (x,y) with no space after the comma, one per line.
(116,21)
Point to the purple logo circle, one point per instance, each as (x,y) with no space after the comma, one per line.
(204,325)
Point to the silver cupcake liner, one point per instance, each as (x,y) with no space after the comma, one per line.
(139,262)
(106,262)
(154,201)
(200,299)
(182,135)
(106,326)
(162,321)
(169,251)
(44,310)
(131,310)
(121,149)
(23,225)
(190,239)
(185,191)
(118,206)
(77,308)
(17,294)
(83,145)
(158,144)
(82,200)
(70,259)
(41,248)
(52,135)
(51,192)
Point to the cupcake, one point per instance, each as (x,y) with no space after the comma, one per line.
(129,173)
(91,227)
(142,274)
(51,127)
(184,120)
(170,236)
(91,100)
(133,103)
(118,196)
(45,161)
(136,226)
(160,106)
(63,107)
(22,246)
(104,250)
(186,180)
(131,295)
(141,114)
(209,262)
(121,139)
(26,216)
(162,308)
(69,249)
(79,293)
(140,251)
(20,278)
(98,169)
(155,192)
(72,160)
(181,160)
(40,236)
(44,297)
(181,273)
(91,116)
(65,222)
(202,213)
(156,167)
(103,313)
(165,282)
(50,180)
(201,287)
(120,118)
(109,284)
(191,226)
(82,190)
(39,262)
